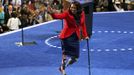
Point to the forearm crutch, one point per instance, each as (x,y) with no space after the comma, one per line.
(88,56)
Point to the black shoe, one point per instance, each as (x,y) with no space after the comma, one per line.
(62,70)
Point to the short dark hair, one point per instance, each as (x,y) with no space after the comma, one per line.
(14,14)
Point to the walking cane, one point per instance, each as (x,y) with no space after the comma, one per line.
(88,56)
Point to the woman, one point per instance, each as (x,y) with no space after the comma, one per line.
(74,21)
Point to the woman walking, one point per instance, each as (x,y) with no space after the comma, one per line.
(74,22)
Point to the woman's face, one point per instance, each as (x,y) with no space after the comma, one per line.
(73,8)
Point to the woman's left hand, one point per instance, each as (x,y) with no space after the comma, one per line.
(86,38)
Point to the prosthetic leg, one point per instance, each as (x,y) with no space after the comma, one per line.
(63,65)
(71,61)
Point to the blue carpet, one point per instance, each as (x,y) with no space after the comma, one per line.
(111,48)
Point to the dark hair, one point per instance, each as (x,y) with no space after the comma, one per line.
(79,11)
(14,14)
(78,5)
(55,1)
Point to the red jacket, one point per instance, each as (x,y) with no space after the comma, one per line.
(70,25)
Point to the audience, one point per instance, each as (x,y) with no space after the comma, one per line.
(113,5)
(24,13)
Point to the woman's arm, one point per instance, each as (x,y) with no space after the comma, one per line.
(59,15)
(83,25)
(56,15)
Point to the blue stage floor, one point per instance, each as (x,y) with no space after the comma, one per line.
(111,48)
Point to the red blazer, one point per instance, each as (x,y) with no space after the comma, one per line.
(70,25)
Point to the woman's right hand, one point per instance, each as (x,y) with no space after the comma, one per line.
(50,10)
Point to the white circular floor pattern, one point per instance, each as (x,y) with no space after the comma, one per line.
(98,50)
